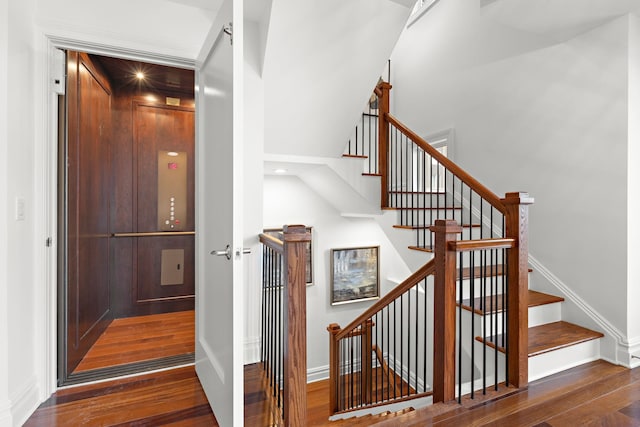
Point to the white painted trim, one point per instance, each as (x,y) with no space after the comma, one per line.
(428,4)
(27,400)
(317,374)
(252,350)
(623,346)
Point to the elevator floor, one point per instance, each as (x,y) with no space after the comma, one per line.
(139,339)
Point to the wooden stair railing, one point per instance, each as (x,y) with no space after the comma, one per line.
(442,203)
(284,322)
(416,339)
(466,200)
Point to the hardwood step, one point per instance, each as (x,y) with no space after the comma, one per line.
(371,419)
(417,192)
(441,208)
(495,304)
(550,337)
(556,335)
(355,156)
(426,227)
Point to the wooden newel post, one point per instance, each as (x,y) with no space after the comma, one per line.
(334,367)
(295,241)
(383,142)
(444,312)
(516,224)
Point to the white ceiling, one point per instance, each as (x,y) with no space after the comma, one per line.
(561,17)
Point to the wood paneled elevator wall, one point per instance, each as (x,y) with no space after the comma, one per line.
(116,128)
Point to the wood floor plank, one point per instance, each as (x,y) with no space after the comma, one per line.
(524,409)
(600,408)
(142,338)
(151,399)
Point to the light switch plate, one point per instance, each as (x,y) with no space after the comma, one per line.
(19,209)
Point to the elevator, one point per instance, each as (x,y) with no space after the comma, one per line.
(126,209)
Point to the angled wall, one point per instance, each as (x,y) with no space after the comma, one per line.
(322,61)
(532,113)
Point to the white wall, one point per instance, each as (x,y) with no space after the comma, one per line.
(322,61)
(633,195)
(287,200)
(5,415)
(162,27)
(17,284)
(533,115)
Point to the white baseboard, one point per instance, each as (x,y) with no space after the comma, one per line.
(251,350)
(317,374)
(5,414)
(24,404)
(623,350)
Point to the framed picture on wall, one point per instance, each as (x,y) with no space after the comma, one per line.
(277,233)
(354,275)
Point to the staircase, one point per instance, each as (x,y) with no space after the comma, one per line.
(483,243)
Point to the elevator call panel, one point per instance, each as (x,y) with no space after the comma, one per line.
(172,190)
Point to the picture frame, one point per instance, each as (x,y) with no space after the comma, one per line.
(278,234)
(355,274)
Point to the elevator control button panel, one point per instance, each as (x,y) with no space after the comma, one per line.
(172,190)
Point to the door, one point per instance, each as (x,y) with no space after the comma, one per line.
(219,309)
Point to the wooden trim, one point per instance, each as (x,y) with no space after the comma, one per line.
(480,189)
(444,311)
(271,242)
(474,245)
(155,234)
(414,279)
(296,238)
(334,367)
(516,224)
(383,144)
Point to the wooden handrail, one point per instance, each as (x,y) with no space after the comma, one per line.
(475,185)
(409,283)
(480,244)
(272,242)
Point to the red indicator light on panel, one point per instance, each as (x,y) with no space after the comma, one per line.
(177,221)
(172,165)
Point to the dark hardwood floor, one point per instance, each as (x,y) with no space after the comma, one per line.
(141,338)
(594,394)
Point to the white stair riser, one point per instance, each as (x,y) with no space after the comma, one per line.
(562,359)
(547,313)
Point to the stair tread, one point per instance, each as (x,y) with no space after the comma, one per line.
(436,208)
(551,336)
(421,249)
(424,227)
(355,156)
(415,192)
(368,419)
(535,299)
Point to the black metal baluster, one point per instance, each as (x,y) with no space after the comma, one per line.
(424,337)
(460,297)
(472,298)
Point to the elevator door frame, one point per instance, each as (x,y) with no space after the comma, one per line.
(49,217)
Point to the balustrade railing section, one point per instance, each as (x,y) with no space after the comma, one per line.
(284,337)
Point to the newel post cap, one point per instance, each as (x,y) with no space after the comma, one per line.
(296,233)
(446,225)
(518,198)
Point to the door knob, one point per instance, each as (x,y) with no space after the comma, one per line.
(226,252)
